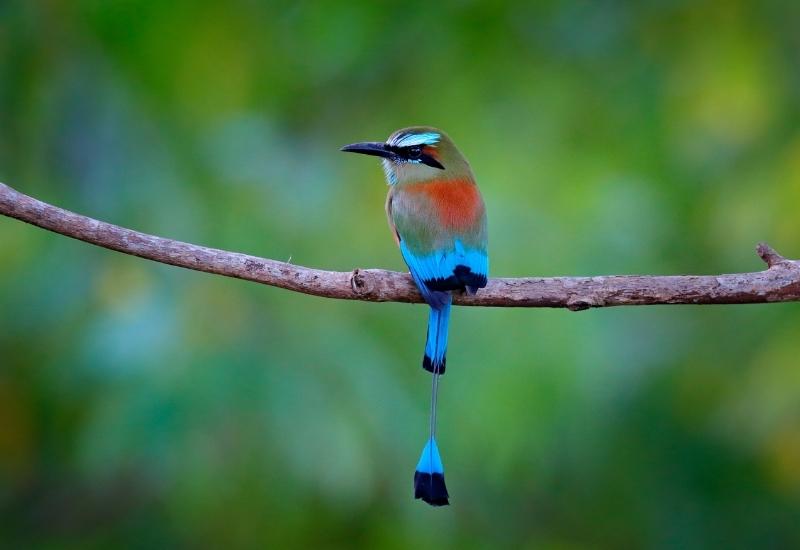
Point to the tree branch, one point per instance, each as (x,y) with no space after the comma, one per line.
(779,283)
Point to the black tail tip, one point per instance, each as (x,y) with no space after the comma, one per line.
(431,489)
(429,365)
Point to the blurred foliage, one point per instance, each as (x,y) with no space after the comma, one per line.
(155,407)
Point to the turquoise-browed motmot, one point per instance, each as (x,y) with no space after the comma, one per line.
(438,219)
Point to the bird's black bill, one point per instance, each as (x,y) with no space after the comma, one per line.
(398,154)
(374,148)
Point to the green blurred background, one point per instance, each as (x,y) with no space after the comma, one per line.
(151,406)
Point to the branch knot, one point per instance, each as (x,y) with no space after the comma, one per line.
(576,303)
(769,255)
(358,282)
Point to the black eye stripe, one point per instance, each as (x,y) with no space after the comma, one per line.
(414,153)
(409,152)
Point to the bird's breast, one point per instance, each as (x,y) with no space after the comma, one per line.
(456,203)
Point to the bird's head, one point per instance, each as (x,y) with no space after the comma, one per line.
(415,154)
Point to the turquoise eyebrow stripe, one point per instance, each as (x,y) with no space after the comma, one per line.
(427,138)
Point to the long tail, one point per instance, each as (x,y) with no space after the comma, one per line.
(429,477)
(429,482)
(435,359)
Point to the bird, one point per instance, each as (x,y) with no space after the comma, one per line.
(438,219)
